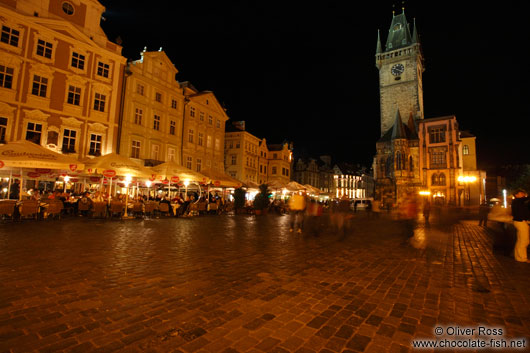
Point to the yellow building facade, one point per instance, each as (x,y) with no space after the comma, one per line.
(152,117)
(60,76)
(279,158)
(203,131)
(242,157)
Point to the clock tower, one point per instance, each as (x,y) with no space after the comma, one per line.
(400,73)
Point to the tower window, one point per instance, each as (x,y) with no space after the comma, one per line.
(68,8)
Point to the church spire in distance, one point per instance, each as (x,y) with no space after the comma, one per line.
(378,49)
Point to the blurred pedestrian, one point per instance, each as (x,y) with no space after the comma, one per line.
(343,214)
(521,216)
(408,211)
(426,210)
(297,205)
(376,208)
(483,211)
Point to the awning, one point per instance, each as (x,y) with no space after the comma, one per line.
(112,164)
(25,154)
(176,173)
(220,179)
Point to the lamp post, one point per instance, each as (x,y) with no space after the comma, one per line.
(148,184)
(66,178)
(186,183)
(128,179)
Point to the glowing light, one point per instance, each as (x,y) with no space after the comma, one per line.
(467,179)
(186,183)
(425,193)
(504,193)
(148,183)
(66,179)
(4,189)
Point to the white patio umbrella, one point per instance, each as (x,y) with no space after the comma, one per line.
(24,154)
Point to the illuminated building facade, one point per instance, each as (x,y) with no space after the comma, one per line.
(249,158)
(60,76)
(415,154)
(203,130)
(151,121)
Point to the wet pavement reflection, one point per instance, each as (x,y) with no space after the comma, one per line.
(240,283)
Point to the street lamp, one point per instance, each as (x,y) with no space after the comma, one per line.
(186,183)
(66,178)
(467,180)
(128,180)
(148,184)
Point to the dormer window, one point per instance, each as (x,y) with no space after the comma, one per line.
(68,8)
(397,27)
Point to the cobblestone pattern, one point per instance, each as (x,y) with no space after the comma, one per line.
(243,284)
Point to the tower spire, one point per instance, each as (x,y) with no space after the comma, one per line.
(398,130)
(378,49)
(415,33)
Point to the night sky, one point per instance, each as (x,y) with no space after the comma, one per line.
(305,71)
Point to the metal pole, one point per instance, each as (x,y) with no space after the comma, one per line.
(9,184)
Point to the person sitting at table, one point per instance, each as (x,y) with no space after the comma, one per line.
(98,197)
(166,201)
(35,195)
(87,203)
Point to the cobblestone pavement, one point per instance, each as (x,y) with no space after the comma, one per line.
(246,284)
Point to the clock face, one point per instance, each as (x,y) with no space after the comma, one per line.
(397,69)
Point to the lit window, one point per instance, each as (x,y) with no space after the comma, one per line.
(10,36)
(40,86)
(138,116)
(6,76)
(78,61)
(95,145)
(155,151)
(44,49)
(465,150)
(99,102)
(3,129)
(74,95)
(69,141)
(156,122)
(34,132)
(170,154)
(217,144)
(208,141)
(437,135)
(135,149)
(103,70)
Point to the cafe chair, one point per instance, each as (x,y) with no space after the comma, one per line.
(99,209)
(29,208)
(7,209)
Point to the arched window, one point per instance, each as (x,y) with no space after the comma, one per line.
(411,164)
(398,160)
(441,180)
(434,179)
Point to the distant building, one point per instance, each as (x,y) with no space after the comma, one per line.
(336,180)
(60,76)
(250,159)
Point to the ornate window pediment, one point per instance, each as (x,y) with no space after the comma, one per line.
(36,115)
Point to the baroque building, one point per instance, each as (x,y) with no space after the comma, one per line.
(251,160)
(153,111)
(414,154)
(60,76)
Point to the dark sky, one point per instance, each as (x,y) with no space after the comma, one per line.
(305,71)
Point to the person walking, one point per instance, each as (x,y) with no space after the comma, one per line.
(483,211)
(521,216)
(297,205)
(426,211)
